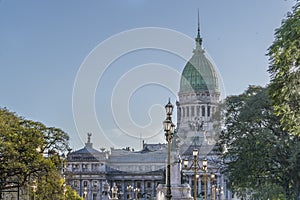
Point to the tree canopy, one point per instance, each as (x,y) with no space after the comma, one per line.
(284,69)
(261,159)
(29,151)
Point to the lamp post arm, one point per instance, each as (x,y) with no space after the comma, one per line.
(198,166)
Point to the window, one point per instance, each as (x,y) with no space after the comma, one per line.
(95,166)
(75,183)
(94,196)
(85,183)
(95,183)
(148,184)
(193,111)
(180,113)
(74,166)
(208,111)
(203,111)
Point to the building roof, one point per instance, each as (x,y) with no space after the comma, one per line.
(198,74)
(87,152)
(151,153)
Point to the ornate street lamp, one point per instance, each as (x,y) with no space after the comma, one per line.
(106,189)
(212,188)
(85,192)
(136,191)
(129,189)
(169,128)
(34,188)
(65,190)
(219,192)
(196,167)
(114,191)
(204,163)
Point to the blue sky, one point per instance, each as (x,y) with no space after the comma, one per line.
(44,43)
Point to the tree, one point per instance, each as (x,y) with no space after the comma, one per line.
(52,187)
(28,150)
(259,154)
(71,194)
(284,68)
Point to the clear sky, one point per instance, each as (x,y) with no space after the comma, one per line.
(44,43)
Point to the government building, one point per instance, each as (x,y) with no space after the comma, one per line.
(128,174)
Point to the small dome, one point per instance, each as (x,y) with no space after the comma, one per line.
(198,74)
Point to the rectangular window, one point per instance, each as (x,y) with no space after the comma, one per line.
(208,111)
(193,111)
(95,183)
(84,183)
(75,183)
(148,184)
(203,111)
(94,196)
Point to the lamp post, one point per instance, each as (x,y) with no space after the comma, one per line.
(34,187)
(65,190)
(136,191)
(204,176)
(212,188)
(105,193)
(196,167)
(169,130)
(219,192)
(85,192)
(114,191)
(129,189)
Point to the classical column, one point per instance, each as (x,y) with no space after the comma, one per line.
(208,187)
(80,187)
(190,180)
(153,189)
(199,185)
(100,189)
(90,194)
(143,186)
(123,188)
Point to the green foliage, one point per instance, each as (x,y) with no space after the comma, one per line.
(28,150)
(284,68)
(53,187)
(259,153)
(71,194)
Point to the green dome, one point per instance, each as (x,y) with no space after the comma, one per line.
(198,74)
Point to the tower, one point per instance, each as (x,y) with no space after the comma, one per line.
(199,97)
(198,124)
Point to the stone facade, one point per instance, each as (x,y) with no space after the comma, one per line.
(137,174)
(93,173)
